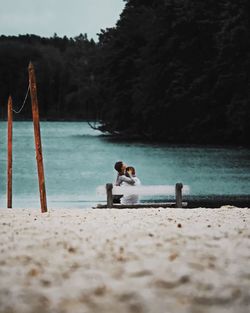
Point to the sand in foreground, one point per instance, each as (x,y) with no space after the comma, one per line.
(146,260)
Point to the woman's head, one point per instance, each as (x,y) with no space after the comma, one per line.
(131,170)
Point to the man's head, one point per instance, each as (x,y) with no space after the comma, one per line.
(120,167)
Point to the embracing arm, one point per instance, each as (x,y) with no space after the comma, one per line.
(123,178)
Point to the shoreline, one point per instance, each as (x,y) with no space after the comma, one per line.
(109,260)
(138,138)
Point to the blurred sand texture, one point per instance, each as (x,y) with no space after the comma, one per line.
(122,261)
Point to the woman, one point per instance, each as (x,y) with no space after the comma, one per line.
(130,198)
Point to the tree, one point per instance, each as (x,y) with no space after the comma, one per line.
(177,71)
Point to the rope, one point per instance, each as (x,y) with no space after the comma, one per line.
(18,111)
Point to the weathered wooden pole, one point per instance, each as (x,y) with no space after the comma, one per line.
(37,135)
(178,195)
(9,165)
(109,188)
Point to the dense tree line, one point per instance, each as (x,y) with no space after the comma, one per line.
(178,71)
(170,70)
(63,69)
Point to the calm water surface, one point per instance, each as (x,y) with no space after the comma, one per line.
(77,159)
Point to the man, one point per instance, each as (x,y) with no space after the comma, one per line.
(120,167)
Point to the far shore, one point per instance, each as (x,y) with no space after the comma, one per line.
(138,138)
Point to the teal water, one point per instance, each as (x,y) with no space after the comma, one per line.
(77,159)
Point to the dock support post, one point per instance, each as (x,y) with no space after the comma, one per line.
(109,188)
(38,144)
(9,166)
(178,195)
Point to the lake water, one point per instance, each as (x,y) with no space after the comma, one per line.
(77,159)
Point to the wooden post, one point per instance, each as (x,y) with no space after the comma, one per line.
(37,135)
(9,165)
(109,188)
(178,195)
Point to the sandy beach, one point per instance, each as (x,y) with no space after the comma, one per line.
(145,260)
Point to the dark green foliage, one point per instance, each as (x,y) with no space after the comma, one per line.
(171,70)
(63,70)
(178,71)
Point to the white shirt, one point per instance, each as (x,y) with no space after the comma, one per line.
(131,199)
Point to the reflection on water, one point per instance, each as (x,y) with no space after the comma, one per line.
(77,159)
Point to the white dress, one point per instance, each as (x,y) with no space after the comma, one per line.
(131,199)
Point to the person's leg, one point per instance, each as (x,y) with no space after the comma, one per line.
(117,198)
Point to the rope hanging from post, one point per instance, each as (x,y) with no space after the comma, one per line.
(19,110)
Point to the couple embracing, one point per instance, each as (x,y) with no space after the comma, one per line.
(126,177)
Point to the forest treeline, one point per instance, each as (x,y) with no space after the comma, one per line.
(63,72)
(170,70)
